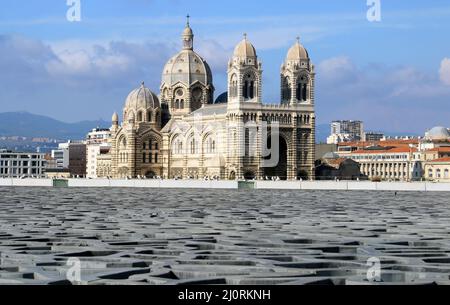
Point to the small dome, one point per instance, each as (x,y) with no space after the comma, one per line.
(188,31)
(115,117)
(244,49)
(297,52)
(438,133)
(330,155)
(142,98)
(222,99)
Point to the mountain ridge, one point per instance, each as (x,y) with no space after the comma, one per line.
(25,124)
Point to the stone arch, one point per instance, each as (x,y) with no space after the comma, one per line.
(286,90)
(209,143)
(302,88)
(140,117)
(150,174)
(250,85)
(249,175)
(233,85)
(302,175)
(280,170)
(177,145)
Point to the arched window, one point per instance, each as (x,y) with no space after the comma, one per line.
(233,86)
(210,145)
(249,88)
(245,90)
(139,116)
(193,146)
(286,89)
(446,174)
(438,173)
(302,89)
(177,146)
(430,173)
(149,116)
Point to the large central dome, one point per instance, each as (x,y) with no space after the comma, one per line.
(187,66)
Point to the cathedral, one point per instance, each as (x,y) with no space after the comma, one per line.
(183,133)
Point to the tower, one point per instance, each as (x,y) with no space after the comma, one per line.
(297,77)
(244,75)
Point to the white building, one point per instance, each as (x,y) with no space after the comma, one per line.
(18,164)
(97,142)
(346,131)
(61,156)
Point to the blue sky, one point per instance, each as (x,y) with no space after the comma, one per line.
(393,74)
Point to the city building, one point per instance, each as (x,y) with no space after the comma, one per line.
(69,155)
(19,164)
(332,167)
(61,155)
(97,142)
(185,133)
(373,136)
(77,158)
(438,170)
(402,160)
(346,131)
(57,173)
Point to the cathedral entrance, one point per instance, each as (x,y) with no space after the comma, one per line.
(280,170)
(302,175)
(249,176)
(150,175)
(232,176)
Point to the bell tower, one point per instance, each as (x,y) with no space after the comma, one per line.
(297,76)
(244,75)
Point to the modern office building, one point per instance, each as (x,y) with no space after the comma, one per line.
(373,136)
(19,165)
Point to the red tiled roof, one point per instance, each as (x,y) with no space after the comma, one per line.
(380,143)
(386,151)
(446,159)
(440,149)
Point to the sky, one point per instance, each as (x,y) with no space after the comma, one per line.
(394,74)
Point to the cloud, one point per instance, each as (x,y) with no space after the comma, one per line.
(393,98)
(445,71)
(67,78)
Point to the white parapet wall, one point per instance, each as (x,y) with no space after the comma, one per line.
(437,187)
(278,185)
(354,186)
(324,185)
(361,186)
(209,184)
(402,186)
(26,182)
(88,183)
(135,183)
